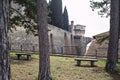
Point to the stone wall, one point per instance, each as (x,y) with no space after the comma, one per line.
(81,44)
(60,41)
(100,50)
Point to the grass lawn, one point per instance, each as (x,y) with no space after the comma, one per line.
(62,68)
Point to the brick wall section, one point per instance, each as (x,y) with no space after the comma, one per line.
(52,44)
(67,46)
(73,45)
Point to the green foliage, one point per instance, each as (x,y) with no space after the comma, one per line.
(65,19)
(55,7)
(28,20)
(30,7)
(118,66)
(102,6)
(101,39)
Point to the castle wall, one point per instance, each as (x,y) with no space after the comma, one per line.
(60,41)
(100,50)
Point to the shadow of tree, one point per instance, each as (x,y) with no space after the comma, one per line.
(86,66)
(22,61)
(115,76)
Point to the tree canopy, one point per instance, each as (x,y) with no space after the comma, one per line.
(102,6)
(25,15)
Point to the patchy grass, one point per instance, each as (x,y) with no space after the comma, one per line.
(62,68)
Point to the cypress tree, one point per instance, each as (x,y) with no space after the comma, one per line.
(56,13)
(65,19)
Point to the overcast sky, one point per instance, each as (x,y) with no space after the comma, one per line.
(80,12)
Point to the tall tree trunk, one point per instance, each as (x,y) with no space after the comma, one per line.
(44,59)
(114,39)
(118,33)
(4,49)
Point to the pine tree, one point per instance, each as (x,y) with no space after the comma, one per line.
(114,37)
(44,58)
(28,20)
(56,13)
(103,8)
(65,19)
(4,49)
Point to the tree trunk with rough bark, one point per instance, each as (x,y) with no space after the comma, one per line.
(114,39)
(44,59)
(118,31)
(4,49)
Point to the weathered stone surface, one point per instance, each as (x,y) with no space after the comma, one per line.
(100,50)
(59,41)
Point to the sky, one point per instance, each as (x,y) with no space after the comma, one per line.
(81,13)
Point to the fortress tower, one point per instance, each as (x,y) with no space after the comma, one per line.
(78,30)
(71,26)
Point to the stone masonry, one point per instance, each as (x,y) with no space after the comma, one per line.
(60,41)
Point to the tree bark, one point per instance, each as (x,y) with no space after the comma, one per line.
(4,49)
(114,39)
(118,32)
(44,59)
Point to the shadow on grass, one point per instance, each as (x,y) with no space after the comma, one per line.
(115,76)
(22,61)
(118,62)
(86,66)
